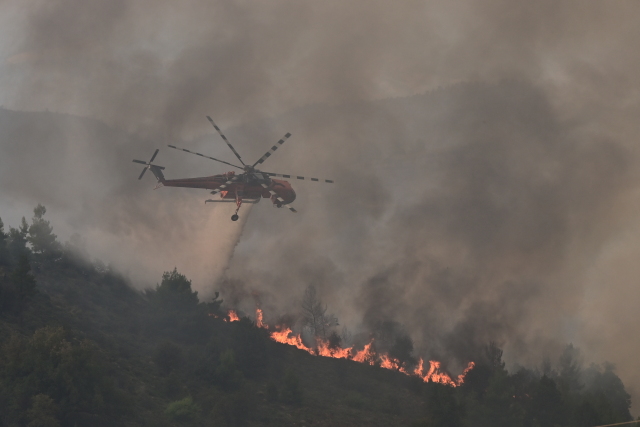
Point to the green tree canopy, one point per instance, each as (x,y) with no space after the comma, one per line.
(18,240)
(175,291)
(184,411)
(602,381)
(227,373)
(69,373)
(40,235)
(43,412)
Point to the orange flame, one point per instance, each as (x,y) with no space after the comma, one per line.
(283,337)
(233,316)
(435,375)
(259,322)
(367,355)
(337,353)
(464,373)
(388,362)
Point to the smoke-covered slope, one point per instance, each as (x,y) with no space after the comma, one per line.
(83,348)
(469,214)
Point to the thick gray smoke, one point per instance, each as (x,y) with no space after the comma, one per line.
(498,207)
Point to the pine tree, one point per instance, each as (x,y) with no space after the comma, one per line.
(18,241)
(41,237)
(175,291)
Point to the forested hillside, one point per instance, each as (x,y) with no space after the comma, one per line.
(80,347)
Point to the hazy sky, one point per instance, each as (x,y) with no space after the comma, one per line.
(501,206)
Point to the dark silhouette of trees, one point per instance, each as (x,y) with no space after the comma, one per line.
(233,372)
(250,348)
(402,351)
(213,306)
(18,241)
(40,235)
(605,392)
(315,314)
(570,370)
(5,256)
(23,281)
(442,406)
(43,412)
(174,292)
(334,340)
(488,364)
(17,288)
(49,377)
(547,405)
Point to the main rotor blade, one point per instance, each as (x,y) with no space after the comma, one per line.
(226,184)
(143,171)
(298,177)
(154,155)
(278,198)
(225,140)
(202,155)
(273,149)
(148,164)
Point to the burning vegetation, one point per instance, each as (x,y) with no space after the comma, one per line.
(232,316)
(210,366)
(368,355)
(327,343)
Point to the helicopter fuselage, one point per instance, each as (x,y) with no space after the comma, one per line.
(252,189)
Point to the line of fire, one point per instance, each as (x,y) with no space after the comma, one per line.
(285,335)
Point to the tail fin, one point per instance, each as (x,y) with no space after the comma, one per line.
(157,172)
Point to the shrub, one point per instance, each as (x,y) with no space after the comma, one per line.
(183,411)
(227,373)
(43,412)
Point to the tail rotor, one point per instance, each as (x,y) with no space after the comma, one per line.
(157,170)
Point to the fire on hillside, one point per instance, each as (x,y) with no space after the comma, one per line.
(368,355)
(232,316)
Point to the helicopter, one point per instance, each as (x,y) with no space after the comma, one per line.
(249,186)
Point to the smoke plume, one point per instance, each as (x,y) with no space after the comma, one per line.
(484,156)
